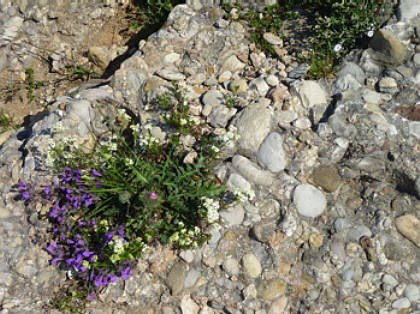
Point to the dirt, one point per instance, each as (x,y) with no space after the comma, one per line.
(22,102)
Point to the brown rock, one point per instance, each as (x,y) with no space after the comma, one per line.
(326,177)
(388,49)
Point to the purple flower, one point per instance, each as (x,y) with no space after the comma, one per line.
(126,273)
(22,185)
(26,195)
(55,260)
(152,195)
(113,278)
(96,173)
(89,202)
(87,253)
(52,247)
(91,296)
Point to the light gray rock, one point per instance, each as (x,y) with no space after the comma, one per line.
(354,70)
(191,278)
(412,292)
(408,9)
(10,29)
(220,116)
(341,127)
(188,306)
(346,82)
(254,124)
(390,281)
(231,266)
(271,154)
(310,93)
(233,215)
(252,265)
(416,59)
(401,303)
(372,97)
(309,201)
(299,71)
(269,209)
(83,110)
(251,171)
(236,181)
(231,64)
(354,234)
(260,86)
(414,127)
(273,39)
(213,98)
(171,74)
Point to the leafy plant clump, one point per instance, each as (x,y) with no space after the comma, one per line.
(339,25)
(110,205)
(31,84)
(6,122)
(150,15)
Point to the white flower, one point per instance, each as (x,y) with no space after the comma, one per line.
(135,128)
(215,149)
(338,47)
(370,33)
(183,121)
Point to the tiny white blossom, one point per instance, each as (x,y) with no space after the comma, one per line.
(183,121)
(370,33)
(338,47)
(135,128)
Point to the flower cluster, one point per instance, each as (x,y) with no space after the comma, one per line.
(243,196)
(228,137)
(82,245)
(212,207)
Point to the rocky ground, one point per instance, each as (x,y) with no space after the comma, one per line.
(335,166)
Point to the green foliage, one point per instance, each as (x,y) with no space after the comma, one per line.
(137,165)
(79,72)
(6,122)
(338,26)
(32,85)
(153,13)
(69,301)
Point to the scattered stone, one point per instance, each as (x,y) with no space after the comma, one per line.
(176,278)
(408,9)
(309,201)
(188,306)
(409,226)
(402,303)
(389,50)
(327,178)
(263,231)
(251,172)
(412,292)
(388,85)
(233,215)
(100,56)
(171,75)
(270,290)
(251,265)
(271,154)
(273,39)
(254,124)
(231,266)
